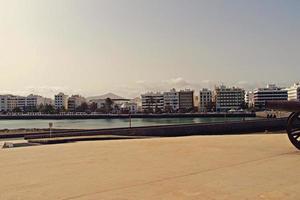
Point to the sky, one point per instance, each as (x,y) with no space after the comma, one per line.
(127,47)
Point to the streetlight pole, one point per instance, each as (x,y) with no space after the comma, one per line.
(129,119)
(50,129)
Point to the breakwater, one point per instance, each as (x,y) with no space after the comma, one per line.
(238,127)
(120,116)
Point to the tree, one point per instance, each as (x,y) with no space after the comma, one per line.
(17,110)
(168,109)
(93,107)
(47,109)
(31,109)
(108,105)
(83,107)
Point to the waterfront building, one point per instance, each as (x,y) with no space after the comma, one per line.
(152,102)
(186,100)
(130,107)
(196,103)
(138,102)
(3,102)
(61,101)
(171,101)
(227,98)
(34,101)
(294,92)
(205,100)
(249,99)
(271,92)
(74,102)
(29,103)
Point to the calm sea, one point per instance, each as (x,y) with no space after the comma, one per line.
(108,123)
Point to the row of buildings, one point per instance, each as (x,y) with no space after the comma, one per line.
(31,102)
(172,101)
(63,102)
(220,99)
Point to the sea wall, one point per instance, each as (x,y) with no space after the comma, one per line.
(116,116)
(238,127)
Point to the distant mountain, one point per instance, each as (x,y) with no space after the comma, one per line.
(105,96)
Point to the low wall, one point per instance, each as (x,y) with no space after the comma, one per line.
(238,127)
(117,116)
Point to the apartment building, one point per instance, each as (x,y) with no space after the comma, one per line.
(228,98)
(152,102)
(171,101)
(3,102)
(74,102)
(271,92)
(294,92)
(249,99)
(61,101)
(186,100)
(31,102)
(205,100)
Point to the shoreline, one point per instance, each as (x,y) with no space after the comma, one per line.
(213,128)
(121,116)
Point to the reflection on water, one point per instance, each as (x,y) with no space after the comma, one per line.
(109,123)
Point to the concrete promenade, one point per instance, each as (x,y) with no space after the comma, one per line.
(260,166)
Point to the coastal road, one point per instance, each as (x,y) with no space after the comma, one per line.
(259,166)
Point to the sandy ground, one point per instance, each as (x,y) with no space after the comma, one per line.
(198,167)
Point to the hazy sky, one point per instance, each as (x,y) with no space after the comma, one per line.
(128,46)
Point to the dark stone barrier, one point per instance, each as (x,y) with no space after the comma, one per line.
(124,116)
(237,127)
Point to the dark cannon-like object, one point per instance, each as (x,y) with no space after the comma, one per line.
(293,122)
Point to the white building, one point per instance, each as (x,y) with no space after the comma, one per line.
(152,102)
(33,101)
(61,101)
(138,102)
(205,100)
(11,102)
(294,92)
(171,101)
(229,98)
(271,92)
(249,99)
(131,107)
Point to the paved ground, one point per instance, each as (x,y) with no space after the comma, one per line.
(199,167)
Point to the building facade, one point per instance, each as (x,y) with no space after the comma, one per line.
(205,100)
(294,92)
(29,103)
(171,101)
(74,102)
(186,100)
(34,101)
(3,103)
(249,99)
(61,101)
(271,92)
(227,98)
(152,102)
(129,107)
